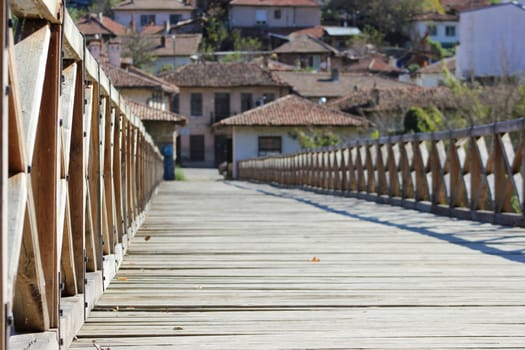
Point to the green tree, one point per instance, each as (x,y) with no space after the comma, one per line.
(419,120)
(315,138)
(138,47)
(215,35)
(245,43)
(387,16)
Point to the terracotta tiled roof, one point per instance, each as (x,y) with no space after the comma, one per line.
(393,99)
(435,17)
(461,5)
(437,67)
(176,45)
(152,29)
(275,3)
(214,74)
(305,44)
(163,5)
(92,24)
(315,32)
(321,85)
(145,112)
(133,77)
(292,110)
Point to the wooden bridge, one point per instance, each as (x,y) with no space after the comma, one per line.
(211,264)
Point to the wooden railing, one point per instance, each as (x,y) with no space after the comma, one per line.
(78,170)
(476,173)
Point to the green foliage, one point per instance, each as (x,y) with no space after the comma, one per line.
(179,174)
(215,35)
(438,51)
(469,107)
(138,47)
(413,67)
(103,6)
(375,134)
(245,43)
(232,57)
(168,67)
(76,13)
(419,120)
(315,138)
(387,16)
(433,6)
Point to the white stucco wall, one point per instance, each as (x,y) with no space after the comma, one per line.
(244,16)
(420,28)
(246,140)
(426,80)
(125,17)
(492,42)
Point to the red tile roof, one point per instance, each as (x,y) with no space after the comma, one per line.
(393,99)
(145,112)
(315,85)
(461,5)
(214,74)
(176,44)
(435,17)
(305,44)
(437,68)
(292,110)
(152,29)
(275,3)
(92,24)
(315,32)
(133,77)
(152,5)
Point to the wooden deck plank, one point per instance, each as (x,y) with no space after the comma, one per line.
(231,266)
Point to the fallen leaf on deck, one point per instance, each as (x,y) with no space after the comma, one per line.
(122,278)
(314,259)
(147,238)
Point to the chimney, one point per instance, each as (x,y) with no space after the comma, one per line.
(335,74)
(167,27)
(163,41)
(101,17)
(95,46)
(114,52)
(375,97)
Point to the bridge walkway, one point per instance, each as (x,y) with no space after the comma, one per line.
(236,265)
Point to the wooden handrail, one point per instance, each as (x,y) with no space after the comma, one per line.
(474,173)
(78,170)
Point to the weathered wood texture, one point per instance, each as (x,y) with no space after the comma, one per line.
(475,173)
(4,146)
(58,156)
(248,266)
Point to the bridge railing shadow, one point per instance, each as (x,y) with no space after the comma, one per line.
(476,173)
(503,241)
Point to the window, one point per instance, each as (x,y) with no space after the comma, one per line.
(268,97)
(147,19)
(222,106)
(196,105)
(432,29)
(175,104)
(269,145)
(277,14)
(450,31)
(246,101)
(175,18)
(260,16)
